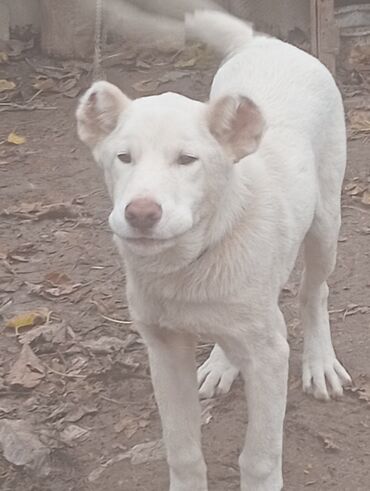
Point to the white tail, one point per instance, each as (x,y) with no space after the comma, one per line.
(223,32)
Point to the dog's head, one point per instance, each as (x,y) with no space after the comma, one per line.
(167,159)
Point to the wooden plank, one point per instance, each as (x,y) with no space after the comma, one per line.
(314,23)
(325,33)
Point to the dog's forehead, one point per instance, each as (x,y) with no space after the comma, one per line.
(168,111)
(168,101)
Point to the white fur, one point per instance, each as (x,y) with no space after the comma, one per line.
(229,235)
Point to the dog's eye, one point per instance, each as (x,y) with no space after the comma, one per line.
(125,157)
(186,159)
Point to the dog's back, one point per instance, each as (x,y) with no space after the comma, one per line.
(296,93)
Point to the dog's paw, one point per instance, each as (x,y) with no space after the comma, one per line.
(216,375)
(324,377)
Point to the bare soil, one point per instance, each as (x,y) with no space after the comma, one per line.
(93,405)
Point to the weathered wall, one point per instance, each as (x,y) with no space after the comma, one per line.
(23,12)
(20,13)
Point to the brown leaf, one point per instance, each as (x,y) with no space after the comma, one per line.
(47,333)
(19,252)
(104,345)
(129,424)
(66,85)
(357,190)
(72,93)
(28,371)
(359,123)
(78,412)
(55,284)
(58,210)
(146,86)
(366,198)
(38,211)
(44,84)
(57,278)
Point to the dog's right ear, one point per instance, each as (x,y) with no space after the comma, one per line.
(99,111)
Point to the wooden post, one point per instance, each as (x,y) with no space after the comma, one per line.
(324,32)
(67,28)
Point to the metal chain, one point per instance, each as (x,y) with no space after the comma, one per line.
(98,72)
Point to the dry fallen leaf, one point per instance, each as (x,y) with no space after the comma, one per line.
(196,55)
(71,433)
(364,393)
(366,198)
(147,452)
(27,371)
(328,443)
(3,57)
(78,412)
(44,84)
(359,123)
(16,139)
(145,86)
(46,333)
(18,254)
(56,284)
(129,424)
(356,190)
(6,85)
(57,278)
(39,211)
(28,319)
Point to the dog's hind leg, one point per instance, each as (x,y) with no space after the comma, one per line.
(216,375)
(173,371)
(323,375)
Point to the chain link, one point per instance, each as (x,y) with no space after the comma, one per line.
(98,72)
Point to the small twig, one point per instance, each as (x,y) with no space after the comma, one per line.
(116,321)
(337,311)
(22,107)
(96,191)
(67,375)
(34,96)
(108,399)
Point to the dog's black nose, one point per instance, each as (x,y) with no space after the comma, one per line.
(143,213)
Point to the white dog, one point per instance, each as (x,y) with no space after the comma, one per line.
(211,203)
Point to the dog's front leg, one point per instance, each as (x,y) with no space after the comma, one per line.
(173,370)
(264,367)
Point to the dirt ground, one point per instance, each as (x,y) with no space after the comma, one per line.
(78,403)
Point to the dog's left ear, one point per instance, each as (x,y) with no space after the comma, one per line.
(99,111)
(237,124)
